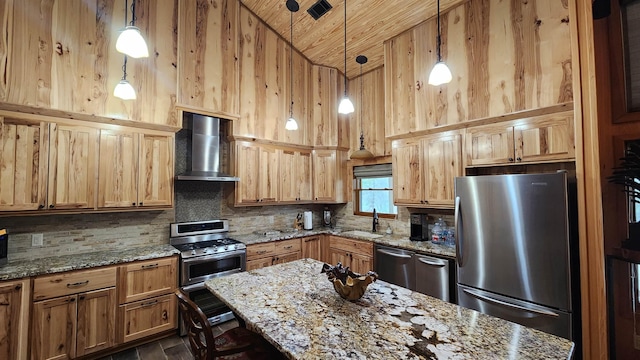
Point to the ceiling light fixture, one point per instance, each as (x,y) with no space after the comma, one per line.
(440,74)
(130,41)
(124,90)
(291,124)
(362,153)
(346,106)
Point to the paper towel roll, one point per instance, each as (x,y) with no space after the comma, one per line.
(308,220)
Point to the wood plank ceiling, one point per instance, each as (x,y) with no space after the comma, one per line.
(369,24)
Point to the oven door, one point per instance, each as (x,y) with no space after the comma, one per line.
(215,310)
(199,269)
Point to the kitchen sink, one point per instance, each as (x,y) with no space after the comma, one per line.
(362,234)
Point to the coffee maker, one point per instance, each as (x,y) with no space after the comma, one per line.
(326,217)
(419,227)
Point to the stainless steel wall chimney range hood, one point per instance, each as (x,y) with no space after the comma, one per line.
(205,151)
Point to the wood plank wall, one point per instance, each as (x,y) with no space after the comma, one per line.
(505,56)
(61,54)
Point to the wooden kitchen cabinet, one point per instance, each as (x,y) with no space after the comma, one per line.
(73,155)
(329,179)
(424,170)
(73,313)
(271,253)
(135,169)
(324,110)
(355,254)
(155,186)
(24,146)
(537,139)
(147,305)
(14,319)
(295,175)
(314,247)
(257,168)
(145,279)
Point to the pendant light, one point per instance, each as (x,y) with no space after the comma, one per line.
(291,124)
(362,153)
(440,74)
(346,106)
(124,90)
(130,41)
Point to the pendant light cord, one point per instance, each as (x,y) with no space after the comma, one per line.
(361,109)
(126,12)
(345,48)
(438,40)
(133,12)
(291,66)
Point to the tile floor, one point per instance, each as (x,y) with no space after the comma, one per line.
(171,348)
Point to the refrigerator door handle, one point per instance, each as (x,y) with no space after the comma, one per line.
(457,225)
(480,296)
(433,262)
(394,254)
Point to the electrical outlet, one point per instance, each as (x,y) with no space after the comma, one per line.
(37,240)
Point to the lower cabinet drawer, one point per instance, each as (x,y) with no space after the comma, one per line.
(147,317)
(73,282)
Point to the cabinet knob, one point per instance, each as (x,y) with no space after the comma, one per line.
(140,203)
(518,159)
(40,206)
(133,204)
(510,159)
(51,206)
(18,287)
(81,297)
(73,299)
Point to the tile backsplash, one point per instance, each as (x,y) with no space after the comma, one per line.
(81,233)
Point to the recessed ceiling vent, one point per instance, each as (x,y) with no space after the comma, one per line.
(319,8)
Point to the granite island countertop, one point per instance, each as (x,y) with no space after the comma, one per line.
(400,241)
(295,307)
(56,264)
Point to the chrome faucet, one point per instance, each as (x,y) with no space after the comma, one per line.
(375,221)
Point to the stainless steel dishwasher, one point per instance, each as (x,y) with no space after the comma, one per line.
(395,266)
(425,274)
(432,276)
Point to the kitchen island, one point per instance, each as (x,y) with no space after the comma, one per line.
(295,308)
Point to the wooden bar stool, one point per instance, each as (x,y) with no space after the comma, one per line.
(237,343)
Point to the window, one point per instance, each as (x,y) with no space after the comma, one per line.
(374,190)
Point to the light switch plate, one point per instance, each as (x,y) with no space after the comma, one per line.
(37,240)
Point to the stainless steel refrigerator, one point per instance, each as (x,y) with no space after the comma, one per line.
(516,250)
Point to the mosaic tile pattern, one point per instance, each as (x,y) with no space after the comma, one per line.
(295,307)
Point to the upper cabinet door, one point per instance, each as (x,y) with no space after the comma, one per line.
(325,175)
(269,173)
(118,169)
(489,144)
(545,138)
(247,165)
(73,156)
(407,172)
(324,109)
(443,154)
(155,187)
(24,151)
(208,61)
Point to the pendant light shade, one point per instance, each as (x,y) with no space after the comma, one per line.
(130,41)
(362,153)
(124,91)
(440,74)
(291,124)
(346,106)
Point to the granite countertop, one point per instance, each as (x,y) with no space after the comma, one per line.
(306,319)
(425,247)
(55,264)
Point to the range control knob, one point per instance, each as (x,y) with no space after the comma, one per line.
(193,252)
(226,247)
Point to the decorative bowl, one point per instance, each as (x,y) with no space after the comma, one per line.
(349,285)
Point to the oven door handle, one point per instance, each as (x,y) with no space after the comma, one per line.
(209,257)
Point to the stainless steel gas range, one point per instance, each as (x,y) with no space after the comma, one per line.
(206,252)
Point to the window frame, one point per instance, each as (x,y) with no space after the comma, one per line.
(357,189)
